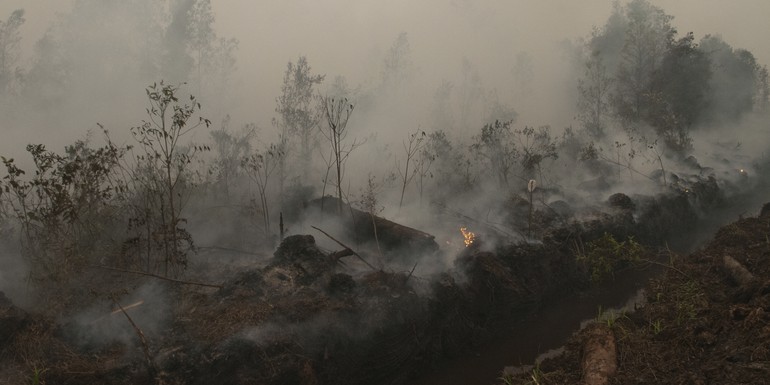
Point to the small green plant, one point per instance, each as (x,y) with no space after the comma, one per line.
(657,326)
(506,378)
(606,255)
(537,375)
(607,317)
(599,314)
(36,378)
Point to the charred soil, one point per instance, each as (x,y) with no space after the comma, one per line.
(705,322)
(312,316)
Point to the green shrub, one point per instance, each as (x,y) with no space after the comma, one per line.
(605,255)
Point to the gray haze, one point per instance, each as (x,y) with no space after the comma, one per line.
(500,55)
(507,60)
(349,38)
(518,55)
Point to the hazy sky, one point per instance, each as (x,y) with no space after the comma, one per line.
(350,37)
(270,28)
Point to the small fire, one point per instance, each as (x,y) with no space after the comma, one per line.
(468,235)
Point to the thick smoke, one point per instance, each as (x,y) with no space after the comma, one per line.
(104,323)
(439,94)
(508,119)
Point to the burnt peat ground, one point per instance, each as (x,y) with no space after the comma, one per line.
(313,316)
(706,321)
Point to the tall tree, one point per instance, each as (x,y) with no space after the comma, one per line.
(397,66)
(92,45)
(229,149)
(680,92)
(736,84)
(297,111)
(594,96)
(9,49)
(194,52)
(648,35)
(762,95)
(200,34)
(339,88)
(608,41)
(177,63)
(442,107)
(496,109)
(496,147)
(336,113)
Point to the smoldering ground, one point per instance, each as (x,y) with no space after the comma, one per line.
(104,323)
(454,109)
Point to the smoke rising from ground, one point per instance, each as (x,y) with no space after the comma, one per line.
(104,323)
(407,67)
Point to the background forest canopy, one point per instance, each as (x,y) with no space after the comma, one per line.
(642,94)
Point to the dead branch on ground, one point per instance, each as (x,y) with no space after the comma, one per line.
(157,276)
(145,348)
(346,248)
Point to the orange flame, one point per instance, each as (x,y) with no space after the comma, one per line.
(468,235)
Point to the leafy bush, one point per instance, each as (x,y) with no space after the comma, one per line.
(61,208)
(605,255)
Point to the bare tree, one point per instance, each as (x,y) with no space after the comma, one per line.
(337,113)
(259,167)
(368,202)
(412,148)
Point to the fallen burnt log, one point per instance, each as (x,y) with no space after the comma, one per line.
(394,239)
(599,355)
